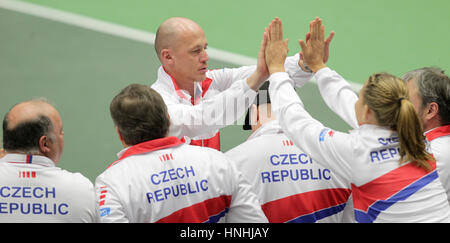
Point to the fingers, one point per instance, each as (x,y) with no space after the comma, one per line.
(276,30)
(264,39)
(330,37)
(307,37)
(322,32)
(317,30)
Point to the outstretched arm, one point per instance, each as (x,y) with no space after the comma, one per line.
(336,92)
(324,144)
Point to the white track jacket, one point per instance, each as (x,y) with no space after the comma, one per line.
(439,142)
(292,187)
(167,181)
(339,96)
(33,190)
(220,100)
(382,189)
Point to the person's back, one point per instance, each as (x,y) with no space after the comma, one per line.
(161,179)
(394,179)
(165,181)
(34,190)
(291,186)
(384,190)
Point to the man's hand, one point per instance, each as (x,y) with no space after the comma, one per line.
(315,51)
(262,73)
(277,48)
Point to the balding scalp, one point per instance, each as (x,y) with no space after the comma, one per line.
(168,32)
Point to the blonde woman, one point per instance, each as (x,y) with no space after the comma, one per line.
(393,178)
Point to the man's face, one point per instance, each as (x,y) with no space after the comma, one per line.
(190,57)
(57,137)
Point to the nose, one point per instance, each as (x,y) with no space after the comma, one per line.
(204,57)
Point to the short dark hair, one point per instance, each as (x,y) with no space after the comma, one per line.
(25,136)
(433,86)
(261,98)
(140,114)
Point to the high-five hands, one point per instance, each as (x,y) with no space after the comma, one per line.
(276,48)
(315,50)
(262,73)
(273,51)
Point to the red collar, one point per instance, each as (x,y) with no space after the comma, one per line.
(149,146)
(205,86)
(438,132)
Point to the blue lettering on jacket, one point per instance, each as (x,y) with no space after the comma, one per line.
(181,189)
(290,159)
(295,175)
(384,154)
(172,174)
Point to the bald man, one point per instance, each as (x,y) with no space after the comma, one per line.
(202,101)
(32,188)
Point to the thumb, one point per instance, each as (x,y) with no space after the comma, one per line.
(303,45)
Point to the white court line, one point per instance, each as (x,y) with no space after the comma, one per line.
(119,30)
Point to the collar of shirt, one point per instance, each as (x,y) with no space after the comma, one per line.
(437,132)
(200,88)
(272,127)
(27,159)
(149,146)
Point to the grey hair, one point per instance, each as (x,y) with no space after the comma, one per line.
(433,86)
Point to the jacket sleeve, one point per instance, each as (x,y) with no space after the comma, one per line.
(332,148)
(338,95)
(110,209)
(245,206)
(227,76)
(203,120)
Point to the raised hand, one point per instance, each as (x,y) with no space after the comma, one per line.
(262,73)
(315,50)
(276,48)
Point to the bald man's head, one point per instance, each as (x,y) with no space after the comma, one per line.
(170,30)
(28,111)
(30,123)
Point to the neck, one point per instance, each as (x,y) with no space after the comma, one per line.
(431,124)
(181,83)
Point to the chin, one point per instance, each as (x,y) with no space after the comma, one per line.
(200,78)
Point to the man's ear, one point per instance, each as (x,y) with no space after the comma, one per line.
(118,133)
(431,111)
(166,56)
(120,137)
(44,144)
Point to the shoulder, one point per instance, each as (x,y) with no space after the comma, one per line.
(75,178)
(77,184)
(203,151)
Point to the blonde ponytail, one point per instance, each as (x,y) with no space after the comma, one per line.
(409,129)
(387,96)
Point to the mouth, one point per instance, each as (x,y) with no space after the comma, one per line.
(203,69)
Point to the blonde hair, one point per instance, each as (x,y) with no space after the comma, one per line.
(387,96)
